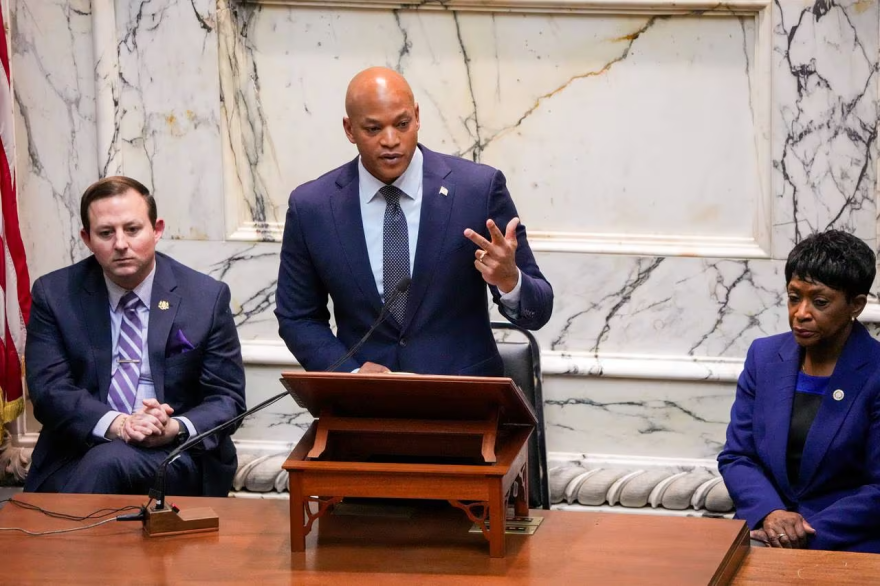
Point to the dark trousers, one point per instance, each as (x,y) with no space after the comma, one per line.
(118,468)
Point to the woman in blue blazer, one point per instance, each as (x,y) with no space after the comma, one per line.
(802,458)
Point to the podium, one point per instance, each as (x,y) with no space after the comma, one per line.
(459,439)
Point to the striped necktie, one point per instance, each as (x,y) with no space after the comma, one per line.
(129,350)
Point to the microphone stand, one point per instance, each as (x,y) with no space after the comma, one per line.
(401,288)
(159,520)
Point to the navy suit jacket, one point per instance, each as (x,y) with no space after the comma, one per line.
(838,490)
(68,357)
(446,329)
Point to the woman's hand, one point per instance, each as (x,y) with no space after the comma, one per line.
(759,535)
(787,529)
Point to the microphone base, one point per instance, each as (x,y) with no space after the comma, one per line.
(167,521)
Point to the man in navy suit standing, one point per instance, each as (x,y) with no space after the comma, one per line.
(402,225)
(128,354)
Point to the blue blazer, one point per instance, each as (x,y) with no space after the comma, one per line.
(68,357)
(446,330)
(838,490)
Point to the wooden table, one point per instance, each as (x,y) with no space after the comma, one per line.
(765,565)
(432,547)
(253,546)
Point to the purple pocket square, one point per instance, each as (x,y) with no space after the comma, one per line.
(179,344)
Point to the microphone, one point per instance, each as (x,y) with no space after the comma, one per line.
(401,288)
(158,490)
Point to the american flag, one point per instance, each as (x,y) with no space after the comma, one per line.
(15,298)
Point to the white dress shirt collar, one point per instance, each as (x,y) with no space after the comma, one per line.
(144,291)
(409,183)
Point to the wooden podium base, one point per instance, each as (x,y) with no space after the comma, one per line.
(482,491)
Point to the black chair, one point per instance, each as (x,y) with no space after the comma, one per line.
(522,363)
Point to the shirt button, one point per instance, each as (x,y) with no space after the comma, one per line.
(403,342)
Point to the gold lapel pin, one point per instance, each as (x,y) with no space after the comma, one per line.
(163,305)
(838,395)
(444,192)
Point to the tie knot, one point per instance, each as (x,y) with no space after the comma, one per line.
(391,194)
(129,301)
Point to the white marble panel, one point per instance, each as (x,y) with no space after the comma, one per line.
(604,304)
(585,415)
(603,124)
(251,271)
(55,136)
(169,129)
(825,62)
(645,418)
(654,117)
(662,306)
(283,421)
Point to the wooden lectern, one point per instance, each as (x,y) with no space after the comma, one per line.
(460,439)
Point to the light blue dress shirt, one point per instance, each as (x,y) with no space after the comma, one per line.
(145,389)
(373,216)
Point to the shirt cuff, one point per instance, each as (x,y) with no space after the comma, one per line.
(100,429)
(511,298)
(189,426)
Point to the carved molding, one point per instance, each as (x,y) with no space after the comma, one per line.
(589,481)
(675,488)
(626,482)
(637,366)
(14,461)
(754,245)
(582,242)
(637,7)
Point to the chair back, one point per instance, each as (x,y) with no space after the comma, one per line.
(522,364)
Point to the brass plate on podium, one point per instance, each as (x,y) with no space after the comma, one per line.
(515,526)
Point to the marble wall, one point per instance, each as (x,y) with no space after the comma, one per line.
(664,157)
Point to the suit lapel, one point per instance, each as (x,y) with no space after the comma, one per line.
(95,304)
(346,208)
(850,374)
(433,220)
(164,304)
(782,380)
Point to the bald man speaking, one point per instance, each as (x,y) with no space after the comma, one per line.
(406,237)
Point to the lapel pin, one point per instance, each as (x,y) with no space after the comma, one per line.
(163,305)
(838,395)
(444,192)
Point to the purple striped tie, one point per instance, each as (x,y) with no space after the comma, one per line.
(129,347)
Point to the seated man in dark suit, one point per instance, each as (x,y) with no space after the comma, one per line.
(129,353)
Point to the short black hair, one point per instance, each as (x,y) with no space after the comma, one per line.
(836,259)
(110,187)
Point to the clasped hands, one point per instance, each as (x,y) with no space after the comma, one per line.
(784,529)
(150,426)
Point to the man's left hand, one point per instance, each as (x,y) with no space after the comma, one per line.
(141,429)
(162,412)
(496,260)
